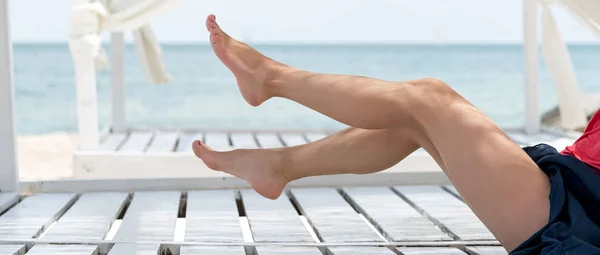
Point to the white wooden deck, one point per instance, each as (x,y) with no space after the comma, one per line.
(348,220)
(168,154)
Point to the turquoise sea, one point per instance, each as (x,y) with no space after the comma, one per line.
(203,92)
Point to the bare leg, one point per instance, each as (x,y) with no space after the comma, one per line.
(501,184)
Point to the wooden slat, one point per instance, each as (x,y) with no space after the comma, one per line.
(44,249)
(133,249)
(12,249)
(267,250)
(89,218)
(212,216)
(29,217)
(186,140)
(448,210)
(312,137)
(268,140)
(431,251)
(293,139)
(8,199)
(398,220)
(243,141)
(274,220)
(113,142)
(218,141)
(333,218)
(487,250)
(151,216)
(360,251)
(163,142)
(137,142)
(211,250)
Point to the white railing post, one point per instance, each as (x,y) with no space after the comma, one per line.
(9,174)
(531,65)
(117,53)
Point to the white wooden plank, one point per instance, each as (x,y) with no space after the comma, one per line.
(430,251)
(398,220)
(211,250)
(267,250)
(8,199)
(315,136)
(163,142)
(448,210)
(133,249)
(531,66)
(29,217)
(243,141)
(186,140)
(487,250)
(293,139)
(89,218)
(113,142)
(218,141)
(212,215)
(360,251)
(274,220)
(12,249)
(137,142)
(9,174)
(268,140)
(151,216)
(45,249)
(117,80)
(333,218)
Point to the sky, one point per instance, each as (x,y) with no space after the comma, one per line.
(315,21)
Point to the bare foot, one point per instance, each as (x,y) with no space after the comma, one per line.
(251,69)
(260,167)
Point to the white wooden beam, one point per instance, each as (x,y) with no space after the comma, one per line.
(117,53)
(9,174)
(531,66)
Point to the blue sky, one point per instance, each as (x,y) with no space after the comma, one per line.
(288,21)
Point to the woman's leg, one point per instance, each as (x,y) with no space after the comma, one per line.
(500,183)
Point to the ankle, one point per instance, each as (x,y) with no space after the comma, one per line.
(277,76)
(283,164)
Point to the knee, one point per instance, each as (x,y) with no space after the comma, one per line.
(434,90)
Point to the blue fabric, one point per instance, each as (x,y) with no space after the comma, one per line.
(574,223)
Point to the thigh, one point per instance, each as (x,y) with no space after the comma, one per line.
(496,178)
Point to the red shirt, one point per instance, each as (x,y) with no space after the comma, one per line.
(587,147)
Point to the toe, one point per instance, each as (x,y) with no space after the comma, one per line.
(215,38)
(206,154)
(211,22)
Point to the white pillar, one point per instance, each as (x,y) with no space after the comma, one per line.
(531,66)
(117,53)
(9,174)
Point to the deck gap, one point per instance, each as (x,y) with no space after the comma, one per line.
(125,206)
(256,140)
(306,140)
(435,222)
(309,225)
(127,136)
(177,140)
(451,192)
(229,140)
(150,141)
(278,135)
(298,211)
(240,204)
(365,217)
(182,205)
(45,231)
